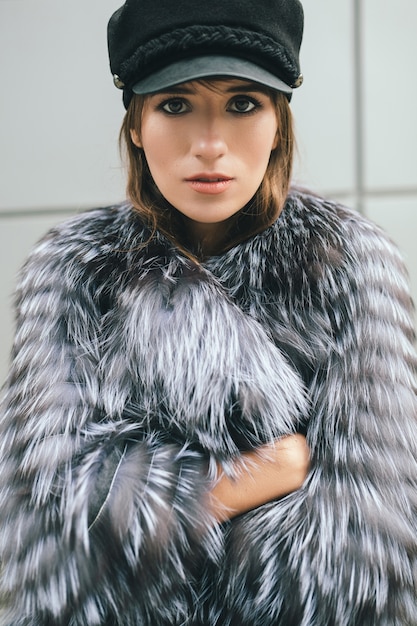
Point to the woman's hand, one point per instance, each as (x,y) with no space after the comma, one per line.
(267,473)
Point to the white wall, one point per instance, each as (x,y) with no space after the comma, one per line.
(60,114)
(60,117)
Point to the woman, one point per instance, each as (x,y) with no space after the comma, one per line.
(172,352)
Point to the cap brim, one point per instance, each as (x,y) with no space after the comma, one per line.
(208,67)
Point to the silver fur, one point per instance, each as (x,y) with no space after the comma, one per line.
(134,370)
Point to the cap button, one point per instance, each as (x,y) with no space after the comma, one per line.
(298,82)
(118,82)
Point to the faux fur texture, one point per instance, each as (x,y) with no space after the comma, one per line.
(134,370)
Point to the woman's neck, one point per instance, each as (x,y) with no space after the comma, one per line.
(207,239)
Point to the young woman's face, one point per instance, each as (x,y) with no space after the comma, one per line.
(208,147)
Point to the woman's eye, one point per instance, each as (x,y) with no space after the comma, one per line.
(243,105)
(174,106)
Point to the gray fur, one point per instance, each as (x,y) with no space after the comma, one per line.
(134,370)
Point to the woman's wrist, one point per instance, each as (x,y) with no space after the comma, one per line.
(267,473)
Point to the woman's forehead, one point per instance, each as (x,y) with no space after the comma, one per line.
(226,85)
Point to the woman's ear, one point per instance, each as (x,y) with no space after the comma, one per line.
(276,141)
(135,138)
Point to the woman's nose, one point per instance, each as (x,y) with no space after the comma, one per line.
(209,142)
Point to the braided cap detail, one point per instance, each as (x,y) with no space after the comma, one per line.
(178,44)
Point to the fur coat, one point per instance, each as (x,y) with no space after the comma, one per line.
(135,371)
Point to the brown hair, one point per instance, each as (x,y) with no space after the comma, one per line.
(262,210)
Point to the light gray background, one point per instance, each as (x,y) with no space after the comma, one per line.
(60,117)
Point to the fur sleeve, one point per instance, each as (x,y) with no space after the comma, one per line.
(343,550)
(85,498)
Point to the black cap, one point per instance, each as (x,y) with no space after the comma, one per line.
(154,44)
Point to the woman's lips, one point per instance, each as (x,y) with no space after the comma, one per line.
(209,183)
